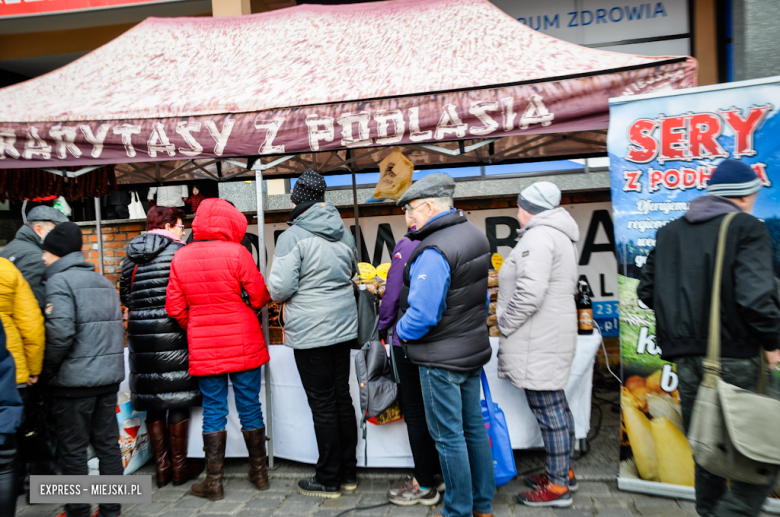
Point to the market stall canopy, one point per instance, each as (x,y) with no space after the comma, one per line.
(327,79)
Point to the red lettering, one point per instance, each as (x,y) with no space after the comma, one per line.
(656,177)
(745,128)
(705,128)
(689,178)
(672,178)
(705,172)
(674,144)
(760,170)
(632,181)
(643,148)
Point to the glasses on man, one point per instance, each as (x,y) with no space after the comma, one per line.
(408,208)
(180,226)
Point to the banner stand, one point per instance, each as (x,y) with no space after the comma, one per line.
(663,149)
(655,488)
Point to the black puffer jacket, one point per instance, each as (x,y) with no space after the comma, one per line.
(677,283)
(159,377)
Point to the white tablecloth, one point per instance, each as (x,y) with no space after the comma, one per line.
(388,445)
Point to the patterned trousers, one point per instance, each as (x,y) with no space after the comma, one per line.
(557,424)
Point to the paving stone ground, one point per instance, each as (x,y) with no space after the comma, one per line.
(597,472)
(282,500)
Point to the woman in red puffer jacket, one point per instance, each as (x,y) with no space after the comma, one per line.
(209,279)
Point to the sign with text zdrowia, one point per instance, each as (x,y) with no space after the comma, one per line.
(663,150)
(11,8)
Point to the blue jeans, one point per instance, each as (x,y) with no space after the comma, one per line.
(455,422)
(246,388)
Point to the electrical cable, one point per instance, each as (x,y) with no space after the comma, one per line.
(606,361)
(357,509)
(606,356)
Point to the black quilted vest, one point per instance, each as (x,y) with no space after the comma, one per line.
(460,341)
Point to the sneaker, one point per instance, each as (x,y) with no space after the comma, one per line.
(541,480)
(438,481)
(407,484)
(410,494)
(314,488)
(546,496)
(349,485)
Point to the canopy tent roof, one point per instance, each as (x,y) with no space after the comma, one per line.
(314,78)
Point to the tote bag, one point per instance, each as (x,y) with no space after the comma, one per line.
(136,209)
(733,432)
(504,467)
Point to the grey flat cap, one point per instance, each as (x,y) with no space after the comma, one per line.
(435,185)
(46,213)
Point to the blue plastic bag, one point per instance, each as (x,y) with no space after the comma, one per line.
(504,467)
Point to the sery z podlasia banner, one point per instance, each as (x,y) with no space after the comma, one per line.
(663,150)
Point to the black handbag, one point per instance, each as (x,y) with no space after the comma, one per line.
(36,435)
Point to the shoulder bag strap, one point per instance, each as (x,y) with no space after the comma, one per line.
(711,364)
(132,278)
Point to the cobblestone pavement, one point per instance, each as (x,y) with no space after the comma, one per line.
(597,472)
(282,500)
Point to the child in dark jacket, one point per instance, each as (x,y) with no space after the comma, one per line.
(84,359)
(195,199)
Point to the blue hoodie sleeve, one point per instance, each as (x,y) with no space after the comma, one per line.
(430,281)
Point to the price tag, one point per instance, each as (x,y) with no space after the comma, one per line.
(497,261)
(367,271)
(382,269)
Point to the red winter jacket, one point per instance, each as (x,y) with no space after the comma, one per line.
(204,294)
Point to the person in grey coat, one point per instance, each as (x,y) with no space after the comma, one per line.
(84,359)
(538,322)
(25,250)
(312,273)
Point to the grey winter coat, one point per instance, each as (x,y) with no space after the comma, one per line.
(312,273)
(84,330)
(536,311)
(25,252)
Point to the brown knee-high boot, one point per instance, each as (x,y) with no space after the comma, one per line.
(159,438)
(255,444)
(183,469)
(211,487)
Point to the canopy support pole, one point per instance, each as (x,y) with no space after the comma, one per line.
(99,231)
(261,251)
(358,240)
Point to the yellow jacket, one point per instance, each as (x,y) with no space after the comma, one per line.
(22,321)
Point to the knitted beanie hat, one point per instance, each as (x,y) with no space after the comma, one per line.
(309,187)
(733,178)
(539,197)
(64,239)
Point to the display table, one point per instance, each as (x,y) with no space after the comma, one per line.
(388,445)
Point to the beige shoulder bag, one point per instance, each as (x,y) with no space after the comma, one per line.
(733,432)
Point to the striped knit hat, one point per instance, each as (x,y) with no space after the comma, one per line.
(733,178)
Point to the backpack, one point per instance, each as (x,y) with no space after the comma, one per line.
(376,378)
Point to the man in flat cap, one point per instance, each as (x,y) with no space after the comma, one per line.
(25,250)
(442,329)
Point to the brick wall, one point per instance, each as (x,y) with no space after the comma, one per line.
(115,238)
